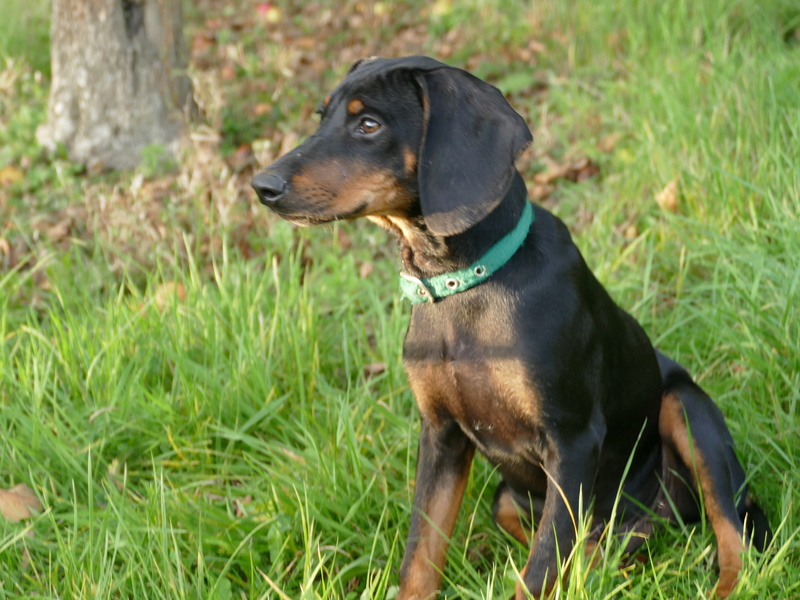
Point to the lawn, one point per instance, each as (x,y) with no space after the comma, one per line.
(209,403)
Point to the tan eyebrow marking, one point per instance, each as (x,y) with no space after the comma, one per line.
(355,106)
(409,160)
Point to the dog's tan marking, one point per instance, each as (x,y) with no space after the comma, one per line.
(355,106)
(672,427)
(423,573)
(508,517)
(334,188)
(409,161)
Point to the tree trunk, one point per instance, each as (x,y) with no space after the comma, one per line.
(119,81)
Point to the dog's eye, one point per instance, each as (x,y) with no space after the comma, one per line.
(367,125)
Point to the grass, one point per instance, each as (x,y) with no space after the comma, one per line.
(25,32)
(230,444)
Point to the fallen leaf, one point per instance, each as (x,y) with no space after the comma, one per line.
(667,198)
(578,170)
(631,232)
(307,42)
(554,171)
(609,142)
(202,42)
(262,108)
(215,23)
(242,158)
(373,369)
(366,269)
(10,175)
(239,504)
(540,192)
(228,72)
(166,292)
(583,169)
(157,189)
(19,503)
(59,231)
(355,21)
(537,46)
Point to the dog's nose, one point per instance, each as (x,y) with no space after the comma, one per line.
(269,187)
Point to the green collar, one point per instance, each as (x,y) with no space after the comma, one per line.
(430,289)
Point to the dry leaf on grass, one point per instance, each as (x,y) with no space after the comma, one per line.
(202,41)
(609,142)
(239,505)
(167,291)
(242,158)
(544,183)
(262,108)
(373,369)
(227,72)
(19,503)
(577,170)
(366,269)
(60,230)
(10,174)
(631,232)
(539,192)
(667,198)
(554,171)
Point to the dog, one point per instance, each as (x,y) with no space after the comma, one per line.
(513,348)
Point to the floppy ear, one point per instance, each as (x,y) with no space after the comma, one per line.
(471,138)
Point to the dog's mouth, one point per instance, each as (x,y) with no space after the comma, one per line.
(311,217)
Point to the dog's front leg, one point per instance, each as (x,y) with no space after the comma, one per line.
(570,469)
(443,462)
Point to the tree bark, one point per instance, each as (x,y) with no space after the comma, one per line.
(119,82)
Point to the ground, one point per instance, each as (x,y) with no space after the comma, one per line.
(209,403)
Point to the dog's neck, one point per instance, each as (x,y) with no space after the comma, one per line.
(425,254)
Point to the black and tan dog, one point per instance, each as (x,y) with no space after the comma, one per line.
(514,348)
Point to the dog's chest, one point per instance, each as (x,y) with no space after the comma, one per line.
(491,398)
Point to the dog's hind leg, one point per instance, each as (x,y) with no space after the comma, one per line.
(693,428)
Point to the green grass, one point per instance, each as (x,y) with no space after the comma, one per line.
(24,32)
(230,445)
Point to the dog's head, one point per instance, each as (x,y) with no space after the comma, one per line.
(401,137)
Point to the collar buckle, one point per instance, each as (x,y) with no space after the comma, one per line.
(423,291)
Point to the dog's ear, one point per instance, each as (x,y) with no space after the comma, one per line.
(360,62)
(471,139)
